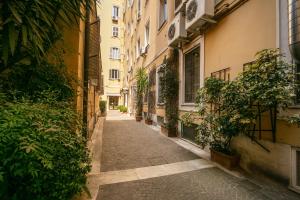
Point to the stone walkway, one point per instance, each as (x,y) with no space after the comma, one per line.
(139,163)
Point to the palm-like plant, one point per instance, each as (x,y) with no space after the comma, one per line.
(142,83)
(29,28)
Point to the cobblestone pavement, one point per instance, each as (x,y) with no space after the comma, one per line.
(205,184)
(128,145)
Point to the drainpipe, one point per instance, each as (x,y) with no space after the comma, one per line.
(86,70)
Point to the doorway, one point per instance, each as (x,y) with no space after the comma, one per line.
(113,103)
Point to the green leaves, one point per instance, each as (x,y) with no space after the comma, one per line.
(38,160)
(230,108)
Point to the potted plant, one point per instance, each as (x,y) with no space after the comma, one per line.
(142,83)
(219,125)
(232,108)
(148,119)
(170,87)
(102,106)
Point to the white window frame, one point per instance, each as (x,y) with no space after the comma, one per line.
(115,31)
(164,12)
(147,37)
(115,12)
(114,74)
(138,48)
(293,180)
(115,55)
(190,106)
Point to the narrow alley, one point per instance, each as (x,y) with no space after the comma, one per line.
(138,163)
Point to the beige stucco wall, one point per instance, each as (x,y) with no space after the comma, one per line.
(235,40)
(107,41)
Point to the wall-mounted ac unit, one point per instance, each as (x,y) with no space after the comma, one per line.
(176,31)
(198,12)
(180,6)
(295,179)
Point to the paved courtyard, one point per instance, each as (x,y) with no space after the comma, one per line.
(139,163)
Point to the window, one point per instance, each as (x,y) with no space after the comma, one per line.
(147,33)
(223,74)
(113,74)
(114,53)
(298,84)
(139,9)
(115,12)
(128,28)
(138,48)
(163,8)
(159,76)
(191,75)
(115,31)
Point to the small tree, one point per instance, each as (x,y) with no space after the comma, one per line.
(142,83)
(170,86)
(231,108)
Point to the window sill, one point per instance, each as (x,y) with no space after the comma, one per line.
(294,107)
(162,25)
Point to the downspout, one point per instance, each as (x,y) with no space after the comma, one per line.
(86,70)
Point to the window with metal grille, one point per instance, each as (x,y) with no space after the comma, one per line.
(189,132)
(298,168)
(191,75)
(297,71)
(114,74)
(177,3)
(115,31)
(159,76)
(114,53)
(160,120)
(222,74)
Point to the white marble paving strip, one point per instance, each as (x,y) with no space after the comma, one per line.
(153,171)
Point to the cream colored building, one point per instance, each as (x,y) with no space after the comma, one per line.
(220,42)
(111,19)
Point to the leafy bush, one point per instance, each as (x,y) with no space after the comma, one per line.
(123,109)
(42,153)
(102,106)
(230,108)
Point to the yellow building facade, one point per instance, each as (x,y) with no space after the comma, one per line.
(220,42)
(111,17)
(74,47)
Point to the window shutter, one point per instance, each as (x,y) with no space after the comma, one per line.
(110,72)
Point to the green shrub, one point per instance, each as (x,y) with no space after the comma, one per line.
(102,106)
(42,153)
(123,109)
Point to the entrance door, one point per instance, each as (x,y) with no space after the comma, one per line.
(113,103)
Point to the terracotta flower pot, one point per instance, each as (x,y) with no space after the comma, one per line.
(148,121)
(138,118)
(168,132)
(228,161)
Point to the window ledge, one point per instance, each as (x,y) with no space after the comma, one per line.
(294,107)
(162,25)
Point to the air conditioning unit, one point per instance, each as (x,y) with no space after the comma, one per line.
(180,6)
(198,12)
(176,31)
(144,51)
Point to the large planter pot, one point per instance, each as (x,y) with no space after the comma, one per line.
(228,161)
(168,132)
(138,118)
(148,121)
